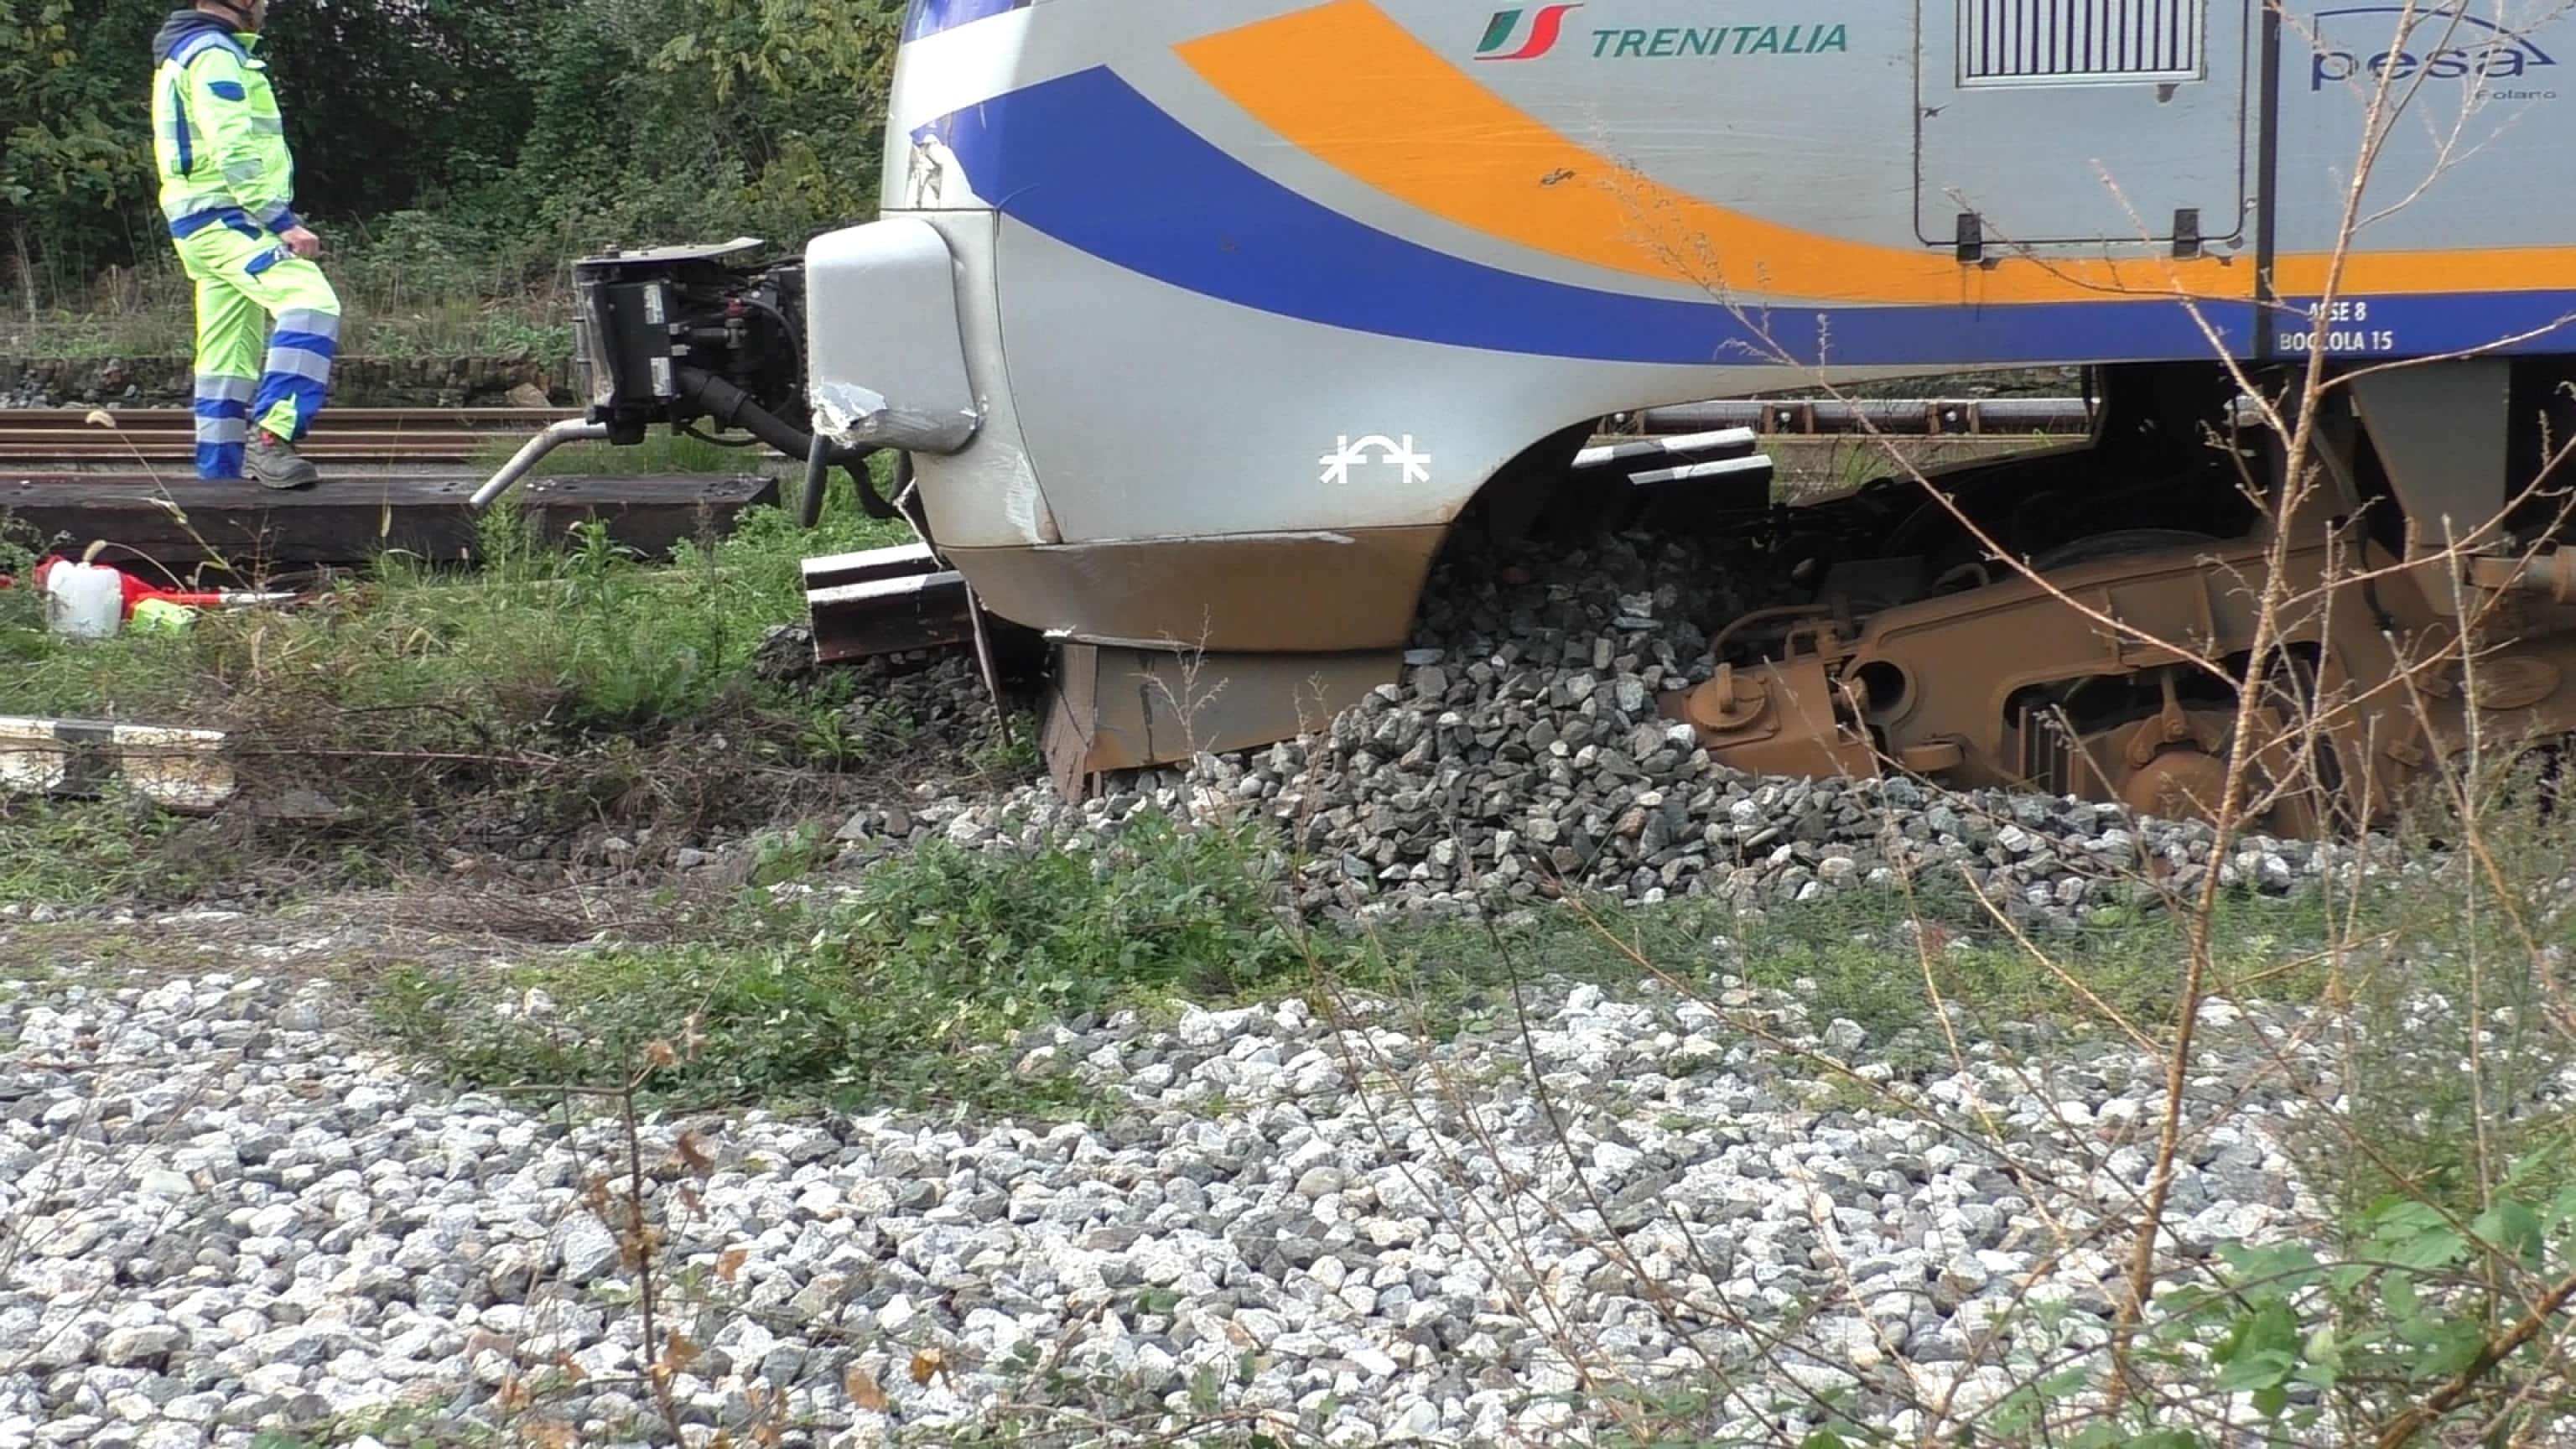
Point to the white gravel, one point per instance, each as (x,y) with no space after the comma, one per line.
(227,1212)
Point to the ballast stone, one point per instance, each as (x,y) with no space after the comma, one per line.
(1330,1231)
(1523,755)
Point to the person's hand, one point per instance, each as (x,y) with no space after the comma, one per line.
(301,242)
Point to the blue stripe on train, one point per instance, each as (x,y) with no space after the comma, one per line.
(1087,160)
(2402,326)
(930,17)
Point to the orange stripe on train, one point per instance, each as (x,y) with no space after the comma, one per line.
(1344,82)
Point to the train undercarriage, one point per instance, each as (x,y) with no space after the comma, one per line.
(2154,561)
(2072,620)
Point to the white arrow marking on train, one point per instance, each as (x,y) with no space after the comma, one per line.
(1337,464)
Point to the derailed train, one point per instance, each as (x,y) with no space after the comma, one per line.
(1207,322)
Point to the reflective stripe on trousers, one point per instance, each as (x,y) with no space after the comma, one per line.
(223,423)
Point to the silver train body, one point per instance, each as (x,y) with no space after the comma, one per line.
(1204,321)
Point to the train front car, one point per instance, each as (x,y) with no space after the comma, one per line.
(1200,325)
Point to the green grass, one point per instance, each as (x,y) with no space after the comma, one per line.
(908,991)
(415,287)
(1854,956)
(534,329)
(660,452)
(88,851)
(564,675)
(559,641)
(915,989)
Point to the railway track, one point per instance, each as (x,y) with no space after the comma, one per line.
(35,436)
(63,436)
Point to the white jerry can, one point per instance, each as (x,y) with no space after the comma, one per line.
(84,600)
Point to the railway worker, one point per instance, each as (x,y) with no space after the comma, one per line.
(227,191)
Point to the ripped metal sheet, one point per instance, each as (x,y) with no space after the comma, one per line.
(860,417)
(886,352)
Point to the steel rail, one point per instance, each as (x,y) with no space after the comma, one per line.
(492,420)
(156,436)
(30,436)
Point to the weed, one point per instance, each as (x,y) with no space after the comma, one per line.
(913,987)
(85,852)
(1004,756)
(2457,1036)
(417,286)
(920,981)
(547,689)
(658,453)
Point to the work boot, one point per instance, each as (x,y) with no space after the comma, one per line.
(272,462)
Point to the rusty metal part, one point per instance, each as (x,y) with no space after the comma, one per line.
(1930,758)
(1727,705)
(1318,592)
(2514,681)
(1946,685)
(2552,573)
(2176,784)
(1779,719)
(1120,708)
(890,615)
(2168,765)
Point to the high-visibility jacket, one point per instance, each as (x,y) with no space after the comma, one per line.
(217,134)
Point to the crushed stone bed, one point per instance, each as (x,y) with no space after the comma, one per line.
(227,1212)
(1522,752)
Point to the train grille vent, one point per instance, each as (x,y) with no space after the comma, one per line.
(2040,42)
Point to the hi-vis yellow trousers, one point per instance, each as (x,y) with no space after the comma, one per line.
(246,278)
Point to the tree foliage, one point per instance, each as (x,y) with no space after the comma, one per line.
(524,129)
(75,146)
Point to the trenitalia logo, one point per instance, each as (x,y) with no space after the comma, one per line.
(1544,29)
